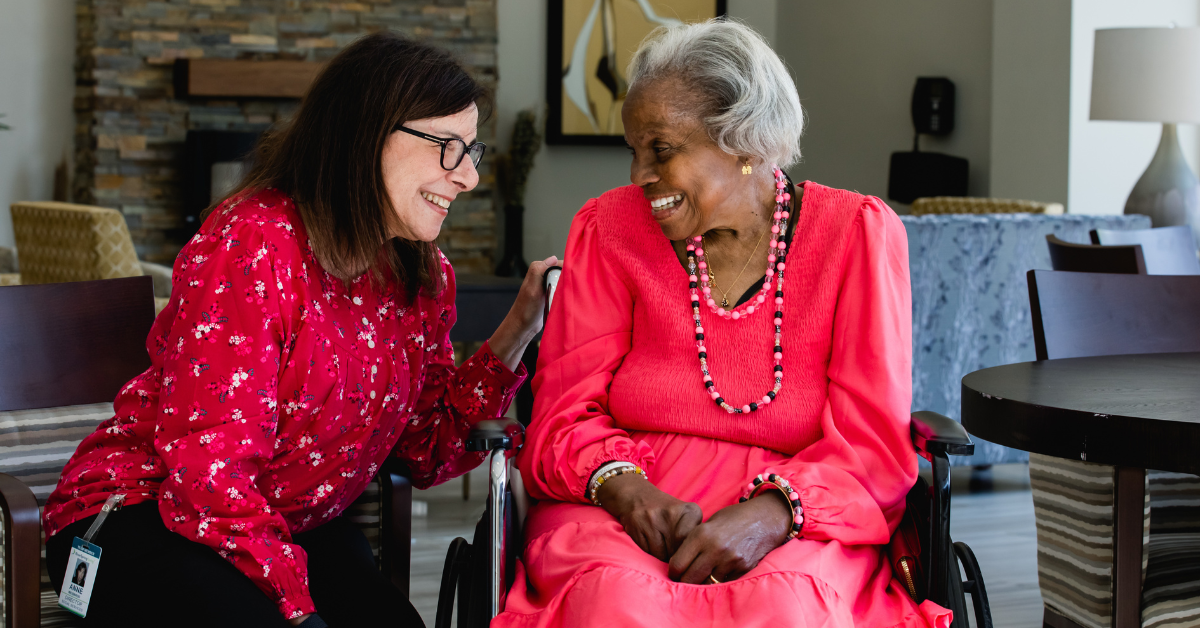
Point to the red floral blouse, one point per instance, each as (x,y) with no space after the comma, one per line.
(274,395)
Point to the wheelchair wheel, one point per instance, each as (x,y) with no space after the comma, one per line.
(974,585)
(958,600)
(466,575)
(457,559)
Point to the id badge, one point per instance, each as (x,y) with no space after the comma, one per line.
(81,573)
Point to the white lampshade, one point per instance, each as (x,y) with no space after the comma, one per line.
(1147,74)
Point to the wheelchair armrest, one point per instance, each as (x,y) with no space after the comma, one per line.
(496,434)
(22,552)
(934,434)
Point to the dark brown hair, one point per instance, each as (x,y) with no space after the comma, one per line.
(328,158)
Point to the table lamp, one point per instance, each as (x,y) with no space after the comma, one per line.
(1153,75)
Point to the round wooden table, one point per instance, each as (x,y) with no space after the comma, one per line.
(1130,411)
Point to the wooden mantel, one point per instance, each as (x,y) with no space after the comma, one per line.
(226,78)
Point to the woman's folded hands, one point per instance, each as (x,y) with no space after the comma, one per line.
(725,547)
(659,523)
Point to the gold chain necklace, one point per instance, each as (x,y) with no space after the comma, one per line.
(713,276)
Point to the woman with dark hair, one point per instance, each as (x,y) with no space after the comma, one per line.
(306,341)
(80,574)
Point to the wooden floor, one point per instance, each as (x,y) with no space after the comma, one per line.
(997,522)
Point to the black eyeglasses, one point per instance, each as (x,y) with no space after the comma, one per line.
(453,149)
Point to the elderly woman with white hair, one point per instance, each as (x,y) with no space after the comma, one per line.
(713,445)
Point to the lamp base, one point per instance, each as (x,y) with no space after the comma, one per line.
(1168,191)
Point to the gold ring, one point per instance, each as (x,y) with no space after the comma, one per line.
(713,579)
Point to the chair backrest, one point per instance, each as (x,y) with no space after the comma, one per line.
(76,343)
(1084,314)
(1092,258)
(975,205)
(1166,250)
(58,242)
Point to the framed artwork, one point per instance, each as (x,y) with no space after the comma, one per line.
(590,44)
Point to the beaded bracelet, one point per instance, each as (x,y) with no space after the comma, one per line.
(778,482)
(609,473)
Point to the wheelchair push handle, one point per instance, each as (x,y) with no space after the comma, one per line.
(550,283)
(503,434)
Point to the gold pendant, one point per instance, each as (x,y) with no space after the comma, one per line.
(724,303)
(746,169)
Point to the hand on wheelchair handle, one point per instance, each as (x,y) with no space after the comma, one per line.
(525,317)
(655,520)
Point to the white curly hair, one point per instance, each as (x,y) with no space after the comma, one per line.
(747,98)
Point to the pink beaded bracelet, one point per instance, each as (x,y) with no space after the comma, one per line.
(778,482)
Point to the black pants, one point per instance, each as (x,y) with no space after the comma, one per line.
(150,576)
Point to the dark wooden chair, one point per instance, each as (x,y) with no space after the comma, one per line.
(67,345)
(1079,314)
(1166,250)
(1091,258)
(1086,314)
(63,344)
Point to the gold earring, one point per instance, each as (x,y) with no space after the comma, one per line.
(746,169)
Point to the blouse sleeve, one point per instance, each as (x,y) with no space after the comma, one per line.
(217,417)
(853,481)
(586,337)
(452,400)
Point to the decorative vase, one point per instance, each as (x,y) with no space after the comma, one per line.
(512,262)
(1168,191)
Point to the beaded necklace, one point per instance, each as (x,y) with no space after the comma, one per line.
(698,281)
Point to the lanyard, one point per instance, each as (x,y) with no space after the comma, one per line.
(113,502)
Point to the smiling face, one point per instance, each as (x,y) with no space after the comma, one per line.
(421,191)
(693,186)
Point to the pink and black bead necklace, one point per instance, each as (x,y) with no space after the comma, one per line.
(698,282)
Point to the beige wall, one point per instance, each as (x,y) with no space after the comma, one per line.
(37,83)
(856,62)
(1031,99)
(565,177)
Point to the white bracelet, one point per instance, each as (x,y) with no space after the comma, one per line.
(607,470)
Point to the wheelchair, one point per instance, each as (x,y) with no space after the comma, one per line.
(477,574)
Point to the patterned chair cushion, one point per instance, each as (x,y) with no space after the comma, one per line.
(58,242)
(36,444)
(973,205)
(1073,508)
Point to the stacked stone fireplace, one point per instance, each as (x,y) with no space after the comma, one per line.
(131,128)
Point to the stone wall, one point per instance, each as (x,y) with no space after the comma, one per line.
(130,129)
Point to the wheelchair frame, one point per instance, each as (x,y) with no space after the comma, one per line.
(935,438)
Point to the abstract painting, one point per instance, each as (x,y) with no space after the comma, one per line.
(590,45)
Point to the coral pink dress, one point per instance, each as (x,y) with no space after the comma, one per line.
(619,379)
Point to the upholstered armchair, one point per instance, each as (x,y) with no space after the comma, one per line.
(62,242)
(973,205)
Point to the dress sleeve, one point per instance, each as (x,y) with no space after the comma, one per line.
(586,337)
(853,481)
(452,400)
(217,414)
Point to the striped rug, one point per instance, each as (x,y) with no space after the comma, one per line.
(1073,506)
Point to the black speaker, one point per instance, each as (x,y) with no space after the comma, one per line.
(933,106)
(916,175)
